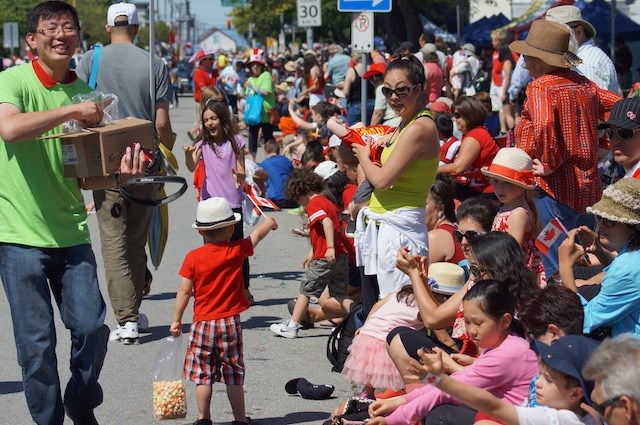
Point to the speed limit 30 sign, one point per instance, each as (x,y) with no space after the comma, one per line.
(309,14)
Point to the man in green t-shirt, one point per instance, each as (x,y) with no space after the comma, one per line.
(44,242)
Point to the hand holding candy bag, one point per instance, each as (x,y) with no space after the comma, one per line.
(169,394)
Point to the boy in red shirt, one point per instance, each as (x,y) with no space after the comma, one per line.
(327,263)
(213,274)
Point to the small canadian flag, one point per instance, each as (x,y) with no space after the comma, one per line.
(550,235)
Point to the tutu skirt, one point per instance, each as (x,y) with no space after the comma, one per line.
(369,363)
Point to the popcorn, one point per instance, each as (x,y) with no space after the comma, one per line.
(169,400)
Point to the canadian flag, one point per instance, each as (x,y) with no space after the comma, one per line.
(550,235)
(258,201)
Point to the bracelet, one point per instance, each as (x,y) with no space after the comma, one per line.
(432,379)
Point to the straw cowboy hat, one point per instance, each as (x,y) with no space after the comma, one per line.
(214,213)
(549,42)
(512,165)
(620,202)
(448,277)
(571,16)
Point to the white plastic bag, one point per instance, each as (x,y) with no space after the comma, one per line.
(107,102)
(169,393)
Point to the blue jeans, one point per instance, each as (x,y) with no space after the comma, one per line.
(354,114)
(29,276)
(548,208)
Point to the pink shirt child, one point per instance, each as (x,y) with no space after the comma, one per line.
(505,371)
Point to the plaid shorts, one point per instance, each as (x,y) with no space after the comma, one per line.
(214,353)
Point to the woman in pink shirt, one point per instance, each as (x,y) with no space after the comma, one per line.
(504,368)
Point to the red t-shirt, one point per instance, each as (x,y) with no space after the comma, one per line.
(496,66)
(473,177)
(347,196)
(216,272)
(317,210)
(201,78)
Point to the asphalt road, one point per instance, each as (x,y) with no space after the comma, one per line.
(270,360)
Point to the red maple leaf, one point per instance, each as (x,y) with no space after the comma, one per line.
(549,234)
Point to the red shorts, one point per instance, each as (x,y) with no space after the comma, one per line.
(214,353)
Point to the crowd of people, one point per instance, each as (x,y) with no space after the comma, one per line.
(485,247)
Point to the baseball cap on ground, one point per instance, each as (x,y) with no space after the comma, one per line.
(571,16)
(214,213)
(624,114)
(568,355)
(308,390)
(122,9)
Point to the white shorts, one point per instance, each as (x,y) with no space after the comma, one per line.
(495,93)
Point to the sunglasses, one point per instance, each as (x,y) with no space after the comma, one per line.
(476,272)
(600,408)
(620,133)
(456,115)
(468,235)
(605,222)
(400,91)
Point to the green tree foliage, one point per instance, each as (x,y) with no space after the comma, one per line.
(161,34)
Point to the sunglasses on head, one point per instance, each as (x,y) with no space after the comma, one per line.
(468,235)
(620,133)
(399,91)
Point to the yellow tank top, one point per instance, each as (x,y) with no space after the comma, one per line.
(413,185)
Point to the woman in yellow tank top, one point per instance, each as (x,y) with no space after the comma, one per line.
(401,184)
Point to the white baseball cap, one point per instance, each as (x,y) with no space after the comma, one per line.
(122,9)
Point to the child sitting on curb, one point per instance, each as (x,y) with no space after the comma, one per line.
(327,263)
(213,274)
(561,388)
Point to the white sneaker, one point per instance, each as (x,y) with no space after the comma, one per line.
(143,322)
(284,330)
(127,334)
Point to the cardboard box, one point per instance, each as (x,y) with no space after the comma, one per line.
(97,151)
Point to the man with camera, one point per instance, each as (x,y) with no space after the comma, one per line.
(123,70)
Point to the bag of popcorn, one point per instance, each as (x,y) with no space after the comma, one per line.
(169,393)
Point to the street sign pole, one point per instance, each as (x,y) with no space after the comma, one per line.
(363,91)
(309,15)
(362,41)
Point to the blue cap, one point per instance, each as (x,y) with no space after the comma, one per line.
(568,355)
(378,43)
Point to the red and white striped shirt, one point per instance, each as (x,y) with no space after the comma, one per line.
(558,127)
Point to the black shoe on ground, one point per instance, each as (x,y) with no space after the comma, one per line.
(81,417)
(203,422)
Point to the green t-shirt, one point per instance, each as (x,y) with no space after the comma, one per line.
(39,207)
(264,82)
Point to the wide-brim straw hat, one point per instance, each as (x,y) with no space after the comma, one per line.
(290,66)
(449,277)
(214,213)
(571,16)
(512,165)
(620,202)
(549,42)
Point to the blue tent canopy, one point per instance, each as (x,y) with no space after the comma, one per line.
(478,32)
(598,13)
(427,25)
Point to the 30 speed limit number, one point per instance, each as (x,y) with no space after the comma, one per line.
(309,13)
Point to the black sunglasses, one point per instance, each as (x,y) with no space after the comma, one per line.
(400,91)
(602,406)
(468,235)
(620,133)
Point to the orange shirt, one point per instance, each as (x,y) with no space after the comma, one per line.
(558,127)
(216,272)
(287,126)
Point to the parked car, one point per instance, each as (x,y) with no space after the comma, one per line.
(184,69)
